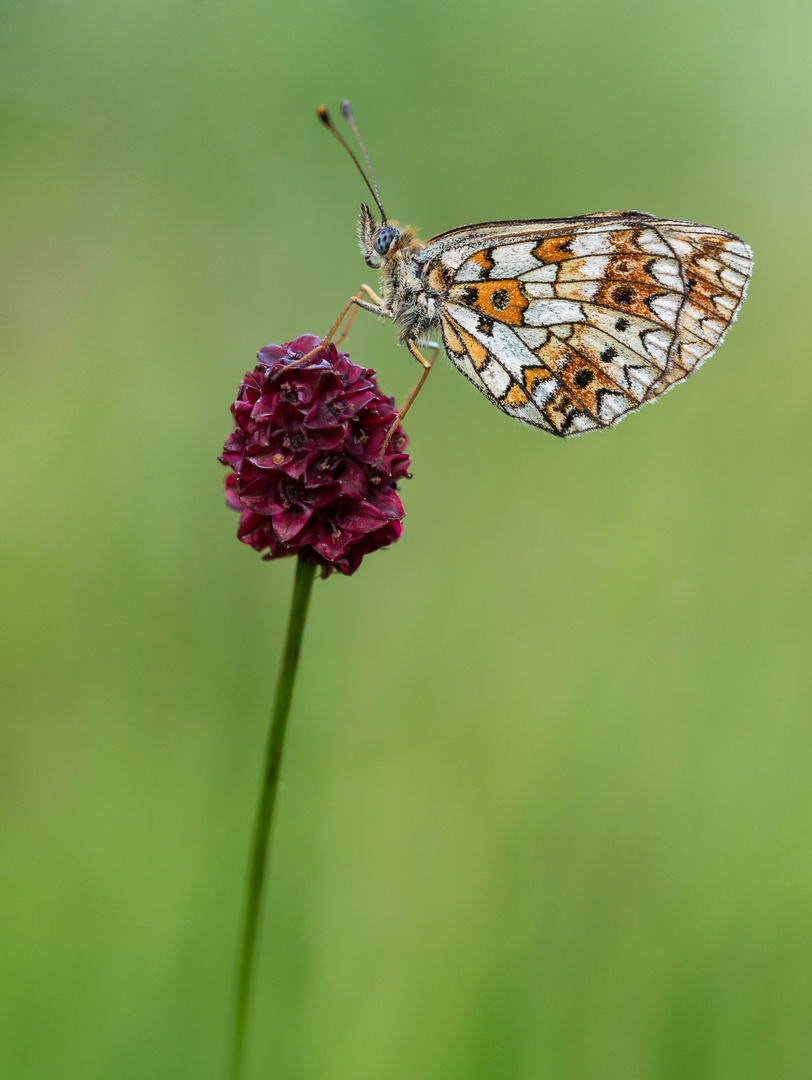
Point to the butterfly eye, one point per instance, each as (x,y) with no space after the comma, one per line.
(384,238)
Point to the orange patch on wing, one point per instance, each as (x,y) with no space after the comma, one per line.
(502,301)
(438,279)
(483,261)
(451,339)
(477,352)
(515,396)
(533,375)
(554,249)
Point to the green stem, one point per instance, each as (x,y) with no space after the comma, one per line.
(264,819)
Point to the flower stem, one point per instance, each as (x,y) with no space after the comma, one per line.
(264,819)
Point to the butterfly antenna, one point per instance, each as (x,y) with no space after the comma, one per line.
(324,116)
(346,112)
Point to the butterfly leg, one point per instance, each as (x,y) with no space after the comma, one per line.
(377,308)
(345,333)
(407,404)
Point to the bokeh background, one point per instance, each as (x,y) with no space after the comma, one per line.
(546,809)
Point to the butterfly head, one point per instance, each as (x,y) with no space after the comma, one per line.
(375,241)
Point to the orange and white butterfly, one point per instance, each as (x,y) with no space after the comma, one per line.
(566,324)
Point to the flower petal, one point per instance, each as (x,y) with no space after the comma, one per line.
(303,458)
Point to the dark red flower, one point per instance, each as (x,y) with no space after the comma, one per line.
(303,454)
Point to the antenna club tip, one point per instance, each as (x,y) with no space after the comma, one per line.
(323,115)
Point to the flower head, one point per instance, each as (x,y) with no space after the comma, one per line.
(304,456)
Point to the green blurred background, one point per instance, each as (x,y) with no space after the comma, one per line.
(546,809)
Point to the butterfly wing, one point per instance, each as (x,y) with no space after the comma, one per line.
(571,324)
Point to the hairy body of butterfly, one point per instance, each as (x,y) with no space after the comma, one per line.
(565,324)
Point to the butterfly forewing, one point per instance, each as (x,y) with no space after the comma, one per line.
(571,324)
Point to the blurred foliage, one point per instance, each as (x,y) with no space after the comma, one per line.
(546,810)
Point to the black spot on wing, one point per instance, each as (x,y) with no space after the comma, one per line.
(623,294)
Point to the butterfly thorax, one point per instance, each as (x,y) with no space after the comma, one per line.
(404,290)
(397,252)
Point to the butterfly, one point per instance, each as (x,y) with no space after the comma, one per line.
(566,324)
